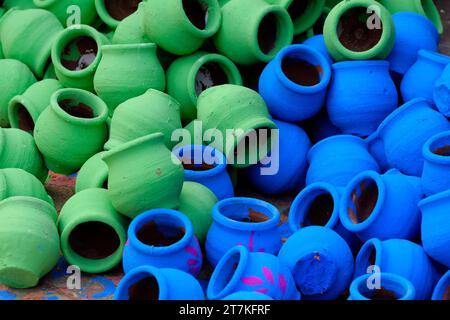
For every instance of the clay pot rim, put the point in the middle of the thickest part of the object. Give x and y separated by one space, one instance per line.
218 168
392 282
360 63
104 15
44 3
343 137
441 286
434 57
429 155
214 20
434 16
311 16
114 47
444 195
14 104
37 204
364 255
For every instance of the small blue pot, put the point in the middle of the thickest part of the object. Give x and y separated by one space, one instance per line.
420 79
318 42
247 295
392 287
442 290
382 206
237 221
414 32
302 98
436 168
400 257
216 178
361 95
241 270
288 164
338 159
320 261
441 92
149 283
162 238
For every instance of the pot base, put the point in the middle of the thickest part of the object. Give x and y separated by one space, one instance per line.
18 278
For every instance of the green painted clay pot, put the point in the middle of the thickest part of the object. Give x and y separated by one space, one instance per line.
71 130
143 175
355 40
189 76
181 26
152 112
131 29
24 110
196 202
62 9
236 111
93 174
93 233
29 242
76 54
27 35
111 12
127 71
19 4
15 78
50 73
27 157
253 31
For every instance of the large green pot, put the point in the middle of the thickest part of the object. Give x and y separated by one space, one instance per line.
93 174
111 12
143 175
29 242
61 9
93 233
71 130
131 29
189 76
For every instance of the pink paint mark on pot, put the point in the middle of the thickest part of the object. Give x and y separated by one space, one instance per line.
192 250
263 290
194 270
252 281
127 243
251 241
269 275
192 262
282 283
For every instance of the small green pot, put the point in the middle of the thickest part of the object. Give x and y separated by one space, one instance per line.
152 112
60 8
71 130
111 12
196 202
24 110
189 76
253 31
351 18
131 29
27 157
143 175
27 35
93 233
181 27
29 242
93 174
19 4
127 71
15 78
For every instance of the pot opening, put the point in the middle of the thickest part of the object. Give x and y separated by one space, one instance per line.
364 198
94 240
105 184
298 8
319 211
242 212
355 30
252 147
77 109
209 75
301 72
196 167
24 119
161 234
446 295
368 259
441 146
79 53
226 272
120 9
145 289
377 294
268 33
197 13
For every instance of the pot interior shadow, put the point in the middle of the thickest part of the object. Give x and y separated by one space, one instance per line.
144 289
363 200
300 71
246 213
297 9
120 9
441 147
76 109
160 234
209 75
319 211
24 119
268 33
79 53
197 13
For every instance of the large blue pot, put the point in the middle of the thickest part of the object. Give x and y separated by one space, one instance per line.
436 168
241 270
150 283
247 222
361 95
441 92
442 289
247 295
391 287
162 238
318 42
300 75
320 261
382 206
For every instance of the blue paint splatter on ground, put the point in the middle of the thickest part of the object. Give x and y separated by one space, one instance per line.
108 287
6 295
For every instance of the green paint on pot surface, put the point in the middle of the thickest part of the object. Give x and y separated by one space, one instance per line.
113 11
64 11
131 29
93 174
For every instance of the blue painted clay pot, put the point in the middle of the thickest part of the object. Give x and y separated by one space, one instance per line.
320 261
150 283
247 295
162 238
318 42
392 287
299 74
441 92
246 222
361 95
442 290
338 159
241 270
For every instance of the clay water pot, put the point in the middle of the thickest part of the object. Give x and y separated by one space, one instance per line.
393 287
86 9
93 174
111 12
318 42
442 290
131 29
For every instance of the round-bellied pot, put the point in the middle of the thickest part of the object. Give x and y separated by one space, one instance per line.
401 147
27 157
420 80
25 109
15 78
251 38
247 222
180 26
359 30
285 169
131 29
301 76
162 238
143 175
318 42
93 174
127 71
76 54
20 4
151 112
93 233
441 92
400 257
29 242
243 270
320 261
150 283
442 289
189 76
111 12
338 159
382 206
361 95
247 295
391 287
63 9
71 130
28 35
